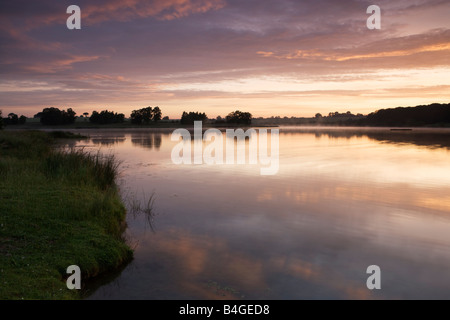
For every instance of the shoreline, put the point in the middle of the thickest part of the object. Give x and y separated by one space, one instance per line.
57 209
164 126
282 128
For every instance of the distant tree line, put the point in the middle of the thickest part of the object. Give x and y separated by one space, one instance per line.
338 118
435 115
346 115
238 117
191 117
430 115
106 117
13 119
235 118
55 116
146 115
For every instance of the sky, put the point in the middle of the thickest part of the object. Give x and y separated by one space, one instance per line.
267 57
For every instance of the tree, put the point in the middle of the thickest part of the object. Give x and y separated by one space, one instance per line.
1 120
106 117
239 117
69 116
13 119
51 116
94 118
191 117
119 118
220 120
136 117
54 116
146 115
434 114
22 119
166 118
38 115
184 117
318 115
157 114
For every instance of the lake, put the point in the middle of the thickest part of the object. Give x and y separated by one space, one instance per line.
343 199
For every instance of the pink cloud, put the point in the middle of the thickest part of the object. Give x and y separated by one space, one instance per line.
58 64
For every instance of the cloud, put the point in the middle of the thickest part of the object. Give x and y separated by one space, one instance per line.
406 51
47 12
210 50
58 65
120 10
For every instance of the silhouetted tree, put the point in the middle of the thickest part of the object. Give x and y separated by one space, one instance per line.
119 118
22 119
434 114
166 118
51 116
106 117
220 120
147 114
69 116
341 116
191 117
136 117
239 117
13 119
94 117
143 115
157 114
1 120
54 116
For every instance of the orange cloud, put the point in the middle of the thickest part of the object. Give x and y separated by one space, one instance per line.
265 54
396 53
315 54
59 64
434 42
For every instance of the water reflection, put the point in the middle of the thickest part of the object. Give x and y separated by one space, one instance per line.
147 140
343 200
431 138
109 141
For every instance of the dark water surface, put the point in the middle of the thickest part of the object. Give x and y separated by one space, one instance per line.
343 199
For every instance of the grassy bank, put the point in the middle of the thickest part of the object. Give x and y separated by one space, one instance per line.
56 209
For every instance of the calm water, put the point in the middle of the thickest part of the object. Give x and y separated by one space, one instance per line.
343 199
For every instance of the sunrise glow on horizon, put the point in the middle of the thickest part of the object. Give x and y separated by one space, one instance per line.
270 58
